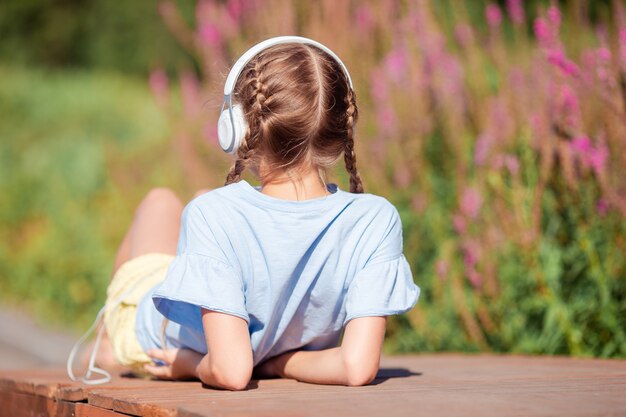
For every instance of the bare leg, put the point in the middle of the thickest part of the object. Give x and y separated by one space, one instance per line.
123 251
155 228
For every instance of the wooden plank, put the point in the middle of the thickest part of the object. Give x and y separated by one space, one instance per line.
65 409
157 401
449 385
19 404
54 383
72 391
415 385
86 410
44 382
439 401
452 375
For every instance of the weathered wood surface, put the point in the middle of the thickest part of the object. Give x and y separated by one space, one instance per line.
416 385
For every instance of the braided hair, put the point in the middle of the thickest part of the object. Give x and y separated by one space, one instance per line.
246 150
349 157
301 113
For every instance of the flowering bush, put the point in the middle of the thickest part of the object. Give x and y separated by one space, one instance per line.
501 144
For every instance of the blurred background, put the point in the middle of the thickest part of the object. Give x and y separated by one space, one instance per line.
498 129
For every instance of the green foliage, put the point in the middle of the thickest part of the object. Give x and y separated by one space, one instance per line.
120 35
502 152
63 213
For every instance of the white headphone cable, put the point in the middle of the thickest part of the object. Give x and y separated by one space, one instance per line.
92 368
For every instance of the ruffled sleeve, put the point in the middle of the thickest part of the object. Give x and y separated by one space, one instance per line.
200 276
382 289
384 285
194 282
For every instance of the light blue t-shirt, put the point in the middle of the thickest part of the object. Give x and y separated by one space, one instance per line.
295 271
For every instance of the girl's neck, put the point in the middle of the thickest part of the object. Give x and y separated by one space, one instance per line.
305 186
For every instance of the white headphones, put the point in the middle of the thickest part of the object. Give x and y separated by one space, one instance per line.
232 126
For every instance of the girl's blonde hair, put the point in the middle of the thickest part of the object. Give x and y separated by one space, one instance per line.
300 110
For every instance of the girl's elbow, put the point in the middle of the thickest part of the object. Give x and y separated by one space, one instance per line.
358 379
359 374
231 378
235 384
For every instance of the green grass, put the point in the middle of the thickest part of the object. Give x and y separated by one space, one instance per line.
65 138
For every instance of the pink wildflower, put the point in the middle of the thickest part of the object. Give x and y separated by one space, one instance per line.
474 278
205 12
568 98
464 34
378 147
190 92
537 121
568 107
558 59
471 254
581 145
159 84
554 17
603 207
402 176
542 31
482 147
500 116
419 202
516 11
493 15
386 119
442 268
396 64
511 163
210 34
604 54
598 157
591 156
601 60
235 8
364 18
210 133
379 89
471 202
167 8
458 223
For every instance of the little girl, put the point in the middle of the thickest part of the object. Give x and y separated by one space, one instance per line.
265 279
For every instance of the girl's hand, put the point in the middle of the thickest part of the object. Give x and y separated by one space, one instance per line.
355 362
179 364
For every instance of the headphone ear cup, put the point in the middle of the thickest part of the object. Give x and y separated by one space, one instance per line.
231 131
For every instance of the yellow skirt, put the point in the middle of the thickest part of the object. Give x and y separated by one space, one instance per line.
129 285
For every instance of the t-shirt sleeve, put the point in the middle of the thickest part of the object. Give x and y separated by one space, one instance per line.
384 286
200 276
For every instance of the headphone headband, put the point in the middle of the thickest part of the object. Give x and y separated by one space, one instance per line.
231 125
235 71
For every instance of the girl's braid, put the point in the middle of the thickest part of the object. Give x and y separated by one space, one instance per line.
249 141
356 185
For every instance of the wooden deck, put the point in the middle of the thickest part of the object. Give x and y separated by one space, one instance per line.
416 385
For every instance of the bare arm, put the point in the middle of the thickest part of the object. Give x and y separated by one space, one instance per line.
353 363
228 363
